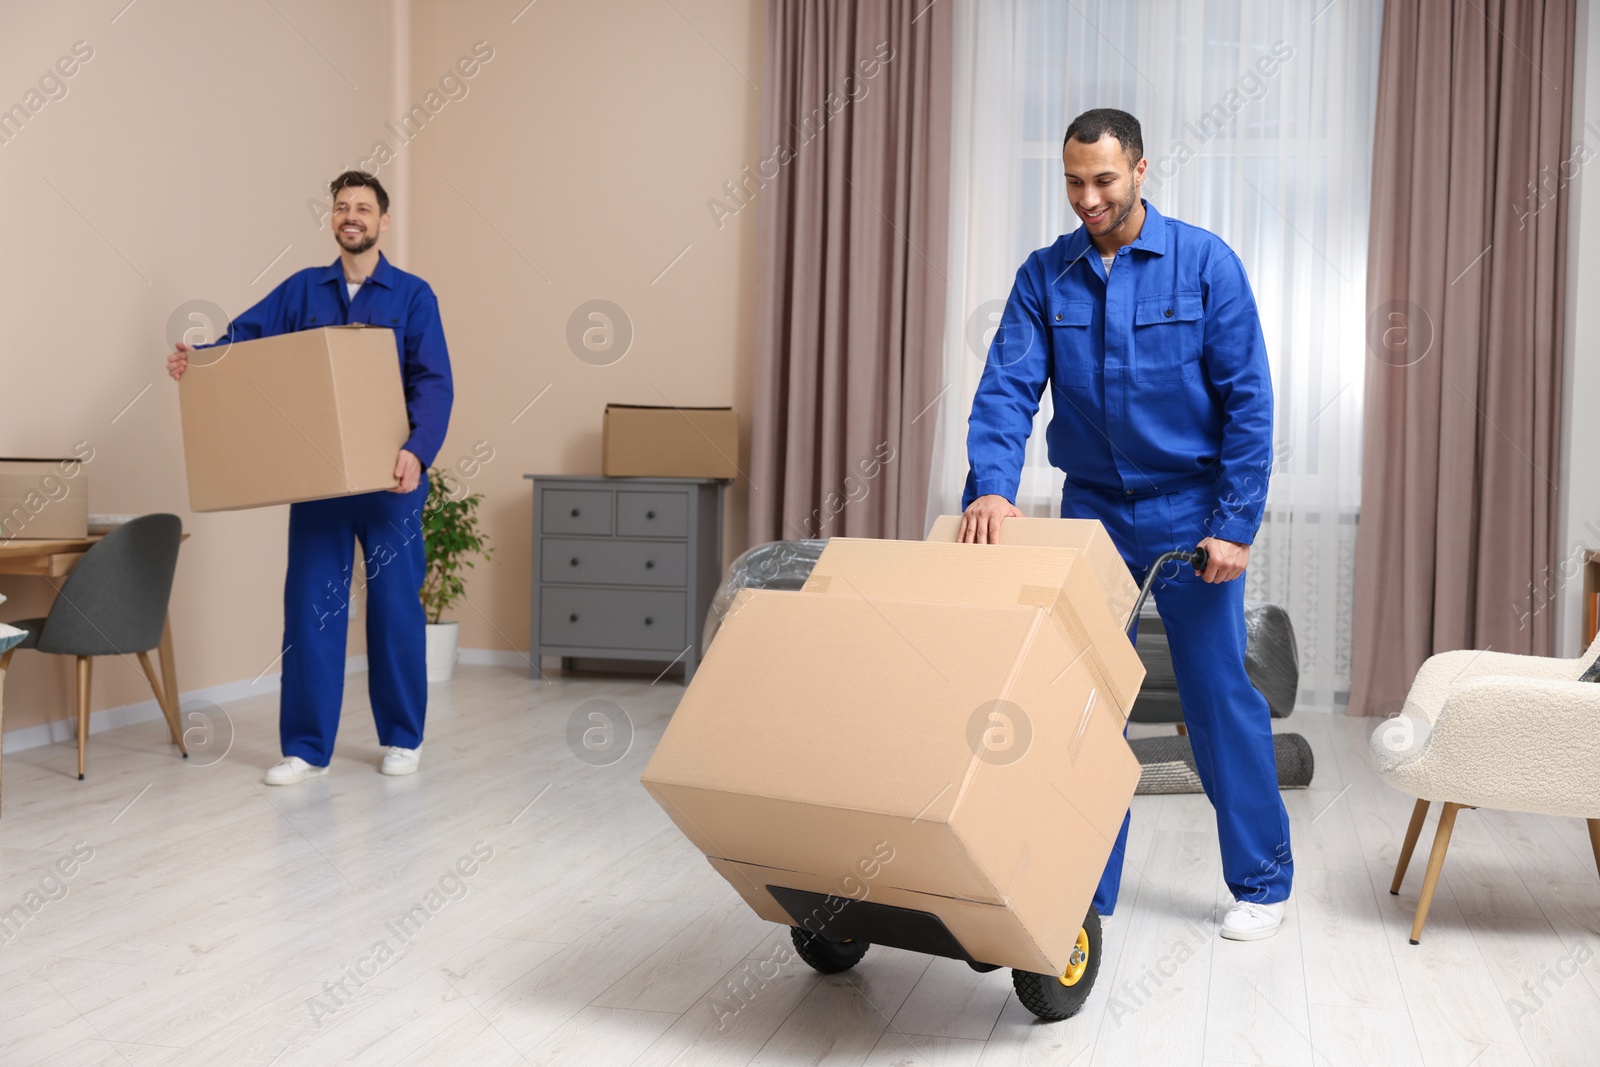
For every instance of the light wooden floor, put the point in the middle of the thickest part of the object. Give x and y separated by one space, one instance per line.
214 919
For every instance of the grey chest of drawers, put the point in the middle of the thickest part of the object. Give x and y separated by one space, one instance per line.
624 568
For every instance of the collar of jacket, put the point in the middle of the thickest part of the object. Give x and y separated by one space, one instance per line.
382 274
1152 236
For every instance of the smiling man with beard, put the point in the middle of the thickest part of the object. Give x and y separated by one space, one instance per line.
361 286
1146 331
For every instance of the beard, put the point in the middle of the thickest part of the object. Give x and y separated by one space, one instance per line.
1118 214
364 242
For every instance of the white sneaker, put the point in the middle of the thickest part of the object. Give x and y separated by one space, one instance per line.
1249 921
1105 922
401 760
292 770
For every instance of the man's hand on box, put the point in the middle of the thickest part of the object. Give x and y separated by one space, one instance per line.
980 523
408 472
178 361
1228 559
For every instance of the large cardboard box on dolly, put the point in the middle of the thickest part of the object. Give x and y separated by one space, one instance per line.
932 727
1085 535
300 416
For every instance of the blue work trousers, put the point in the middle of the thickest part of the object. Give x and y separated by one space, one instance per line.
316 617
1229 723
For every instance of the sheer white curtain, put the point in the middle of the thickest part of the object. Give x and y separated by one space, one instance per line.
1257 118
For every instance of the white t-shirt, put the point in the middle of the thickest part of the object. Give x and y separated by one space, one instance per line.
352 288
1107 260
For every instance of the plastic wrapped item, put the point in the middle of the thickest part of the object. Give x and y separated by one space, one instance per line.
1271 658
774 565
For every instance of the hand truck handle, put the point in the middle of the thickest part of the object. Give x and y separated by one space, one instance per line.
1198 558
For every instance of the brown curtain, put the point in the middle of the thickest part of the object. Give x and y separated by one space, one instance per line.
854 195
1465 275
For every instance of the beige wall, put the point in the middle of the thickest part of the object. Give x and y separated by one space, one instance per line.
181 160
590 144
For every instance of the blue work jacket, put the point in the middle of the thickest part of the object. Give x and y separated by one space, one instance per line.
315 297
1159 374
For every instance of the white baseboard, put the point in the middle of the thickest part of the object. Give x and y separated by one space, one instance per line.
58 730
493 657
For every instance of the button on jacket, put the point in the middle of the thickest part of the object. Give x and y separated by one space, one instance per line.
317 297
1159 374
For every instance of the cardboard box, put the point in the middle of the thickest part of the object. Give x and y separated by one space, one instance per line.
1063 581
668 442
301 416
43 498
959 711
1086 535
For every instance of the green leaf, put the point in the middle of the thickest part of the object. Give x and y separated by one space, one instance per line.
450 533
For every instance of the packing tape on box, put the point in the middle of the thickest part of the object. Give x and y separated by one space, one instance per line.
1055 603
1076 744
1039 596
1070 622
1073 627
1013 886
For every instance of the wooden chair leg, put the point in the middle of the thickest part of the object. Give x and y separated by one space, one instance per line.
164 700
169 667
85 675
1441 842
5 661
1594 841
1183 730
1413 831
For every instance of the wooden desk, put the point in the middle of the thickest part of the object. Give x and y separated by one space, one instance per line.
54 559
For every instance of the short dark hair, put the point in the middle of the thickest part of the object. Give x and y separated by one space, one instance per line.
360 179
1090 126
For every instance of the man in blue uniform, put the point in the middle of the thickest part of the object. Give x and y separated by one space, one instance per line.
360 286
1146 330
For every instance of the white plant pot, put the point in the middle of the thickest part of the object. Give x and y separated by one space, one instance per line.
442 638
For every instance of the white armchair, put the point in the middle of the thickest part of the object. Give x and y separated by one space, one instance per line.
1493 730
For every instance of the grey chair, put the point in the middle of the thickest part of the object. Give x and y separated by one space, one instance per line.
113 603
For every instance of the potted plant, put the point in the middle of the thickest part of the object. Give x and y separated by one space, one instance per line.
451 535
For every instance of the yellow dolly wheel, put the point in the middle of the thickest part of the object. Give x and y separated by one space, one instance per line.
1059 996
824 956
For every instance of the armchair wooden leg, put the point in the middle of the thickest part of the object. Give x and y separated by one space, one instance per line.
1594 840
5 658
1183 730
1441 842
1413 831
163 699
85 675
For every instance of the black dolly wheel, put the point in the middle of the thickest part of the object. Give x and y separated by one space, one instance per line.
1059 996
828 957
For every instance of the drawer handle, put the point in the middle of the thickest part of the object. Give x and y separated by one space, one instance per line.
574 561
649 564
648 621
649 514
574 512
572 618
